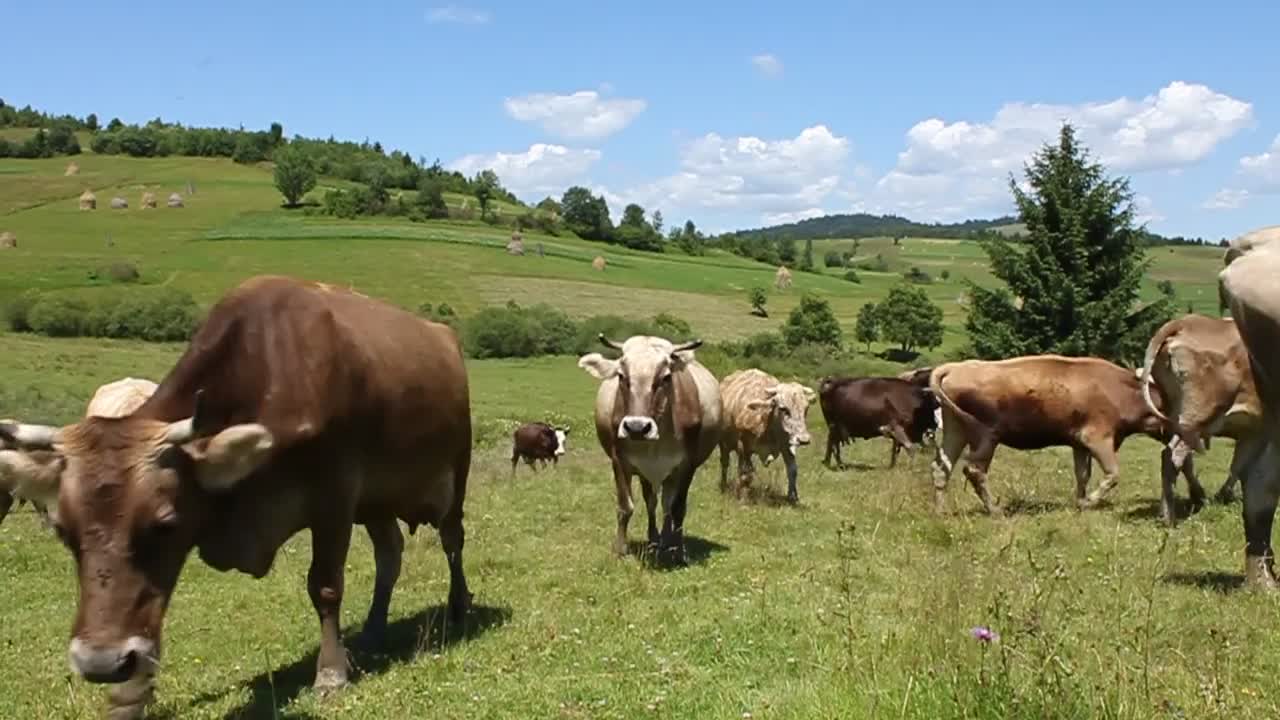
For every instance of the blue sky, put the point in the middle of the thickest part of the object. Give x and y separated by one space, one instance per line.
734 115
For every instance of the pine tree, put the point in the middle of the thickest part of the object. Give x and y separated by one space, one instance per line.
1076 276
806 259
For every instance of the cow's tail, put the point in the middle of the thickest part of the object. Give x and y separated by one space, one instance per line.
936 378
1157 344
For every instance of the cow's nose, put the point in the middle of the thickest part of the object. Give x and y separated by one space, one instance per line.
637 426
109 664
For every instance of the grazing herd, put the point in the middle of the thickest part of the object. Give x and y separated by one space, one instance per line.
298 405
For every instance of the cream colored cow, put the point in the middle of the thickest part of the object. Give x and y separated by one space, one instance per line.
765 418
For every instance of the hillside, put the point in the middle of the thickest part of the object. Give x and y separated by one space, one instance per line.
866 225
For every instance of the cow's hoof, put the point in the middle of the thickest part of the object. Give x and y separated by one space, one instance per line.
125 712
1224 497
793 499
373 637
329 680
459 606
1259 573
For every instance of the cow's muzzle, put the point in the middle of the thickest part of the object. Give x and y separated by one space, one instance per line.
635 427
111 663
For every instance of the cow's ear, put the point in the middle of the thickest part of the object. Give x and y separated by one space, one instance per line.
598 366
231 456
34 475
809 394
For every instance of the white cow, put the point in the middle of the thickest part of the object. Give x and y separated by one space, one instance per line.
1250 284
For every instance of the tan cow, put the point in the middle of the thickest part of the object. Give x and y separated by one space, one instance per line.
115 399
1249 282
1200 367
296 406
763 417
658 416
1034 402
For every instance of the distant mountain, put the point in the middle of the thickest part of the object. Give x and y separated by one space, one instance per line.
867 225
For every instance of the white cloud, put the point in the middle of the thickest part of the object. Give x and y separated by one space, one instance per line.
766 177
784 218
458 15
767 64
1145 212
583 114
951 170
541 170
1226 199
1263 169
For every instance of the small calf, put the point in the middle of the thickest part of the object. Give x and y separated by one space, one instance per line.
537 441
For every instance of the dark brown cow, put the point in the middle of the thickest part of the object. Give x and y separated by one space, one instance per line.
296 406
870 407
537 441
1034 402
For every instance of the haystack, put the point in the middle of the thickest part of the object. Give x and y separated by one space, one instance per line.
148 200
598 263
782 279
119 203
88 201
516 246
8 240
175 200
72 169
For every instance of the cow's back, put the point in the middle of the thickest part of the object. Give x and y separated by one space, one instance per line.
862 405
335 376
737 391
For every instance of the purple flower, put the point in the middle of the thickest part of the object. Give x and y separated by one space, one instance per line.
983 633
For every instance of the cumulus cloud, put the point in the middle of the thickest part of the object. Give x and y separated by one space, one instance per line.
784 218
458 15
952 169
583 114
541 170
1227 199
767 64
1263 170
772 178
1145 212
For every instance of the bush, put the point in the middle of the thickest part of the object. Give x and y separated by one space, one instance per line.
442 313
877 264
833 258
514 331
671 327
945 275
121 272
764 345
852 276
757 297
918 276
164 315
812 322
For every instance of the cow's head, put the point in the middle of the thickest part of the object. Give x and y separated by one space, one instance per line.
562 438
646 375
129 496
788 405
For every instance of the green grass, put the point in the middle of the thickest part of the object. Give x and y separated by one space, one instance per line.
856 604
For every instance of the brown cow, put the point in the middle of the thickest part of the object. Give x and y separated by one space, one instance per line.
114 399
658 415
869 407
1249 283
763 417
1200 367
1034 402
537 441
297 405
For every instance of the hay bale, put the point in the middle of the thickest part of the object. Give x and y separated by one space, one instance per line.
119 203
88 201
72 169
8 240
598 263
148 200
516 246
175 200
782 278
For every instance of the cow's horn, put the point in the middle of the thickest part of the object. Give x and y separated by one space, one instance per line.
184 431
609 343
691 345
32 436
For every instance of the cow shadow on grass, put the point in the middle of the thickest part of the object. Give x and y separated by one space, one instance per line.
425 632
696 551
1023 507
1148 509
1219 582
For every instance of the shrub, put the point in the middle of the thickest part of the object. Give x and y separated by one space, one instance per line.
757 297
514 331
164 315
945 275
121 272
833 258
442 313
812 322
59 316
852 276
918 276
168 315
764 345
17 311
671 327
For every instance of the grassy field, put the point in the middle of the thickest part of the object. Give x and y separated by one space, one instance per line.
858 603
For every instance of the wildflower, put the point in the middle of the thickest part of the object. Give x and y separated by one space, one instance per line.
983 633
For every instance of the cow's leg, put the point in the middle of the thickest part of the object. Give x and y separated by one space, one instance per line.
330 539
452 539
651 506
622 486
1246 452
388 548
793 473
1168 476
976 471
746 464
1261 492
949 451
726 447
1104 451
1194 489
6 502
681 480
1084 470
515 460
835 438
